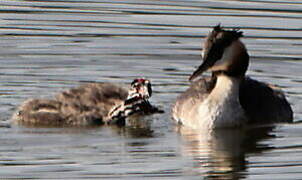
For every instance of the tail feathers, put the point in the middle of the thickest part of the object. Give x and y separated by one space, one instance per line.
39 111
45 112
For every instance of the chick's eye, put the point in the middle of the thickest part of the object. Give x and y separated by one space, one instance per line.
136 85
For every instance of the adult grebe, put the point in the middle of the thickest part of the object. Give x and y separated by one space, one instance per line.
89 104
228 98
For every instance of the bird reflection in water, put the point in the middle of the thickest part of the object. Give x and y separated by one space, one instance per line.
221 154
136 127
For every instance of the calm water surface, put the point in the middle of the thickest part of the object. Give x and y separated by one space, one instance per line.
47 46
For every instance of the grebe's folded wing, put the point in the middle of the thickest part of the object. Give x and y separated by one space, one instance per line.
264 103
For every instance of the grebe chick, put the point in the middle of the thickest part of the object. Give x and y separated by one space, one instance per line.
228 98
88 104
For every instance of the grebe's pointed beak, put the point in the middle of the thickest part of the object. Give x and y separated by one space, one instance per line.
211 54
202 68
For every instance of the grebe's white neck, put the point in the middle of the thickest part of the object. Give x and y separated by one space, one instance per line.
226 87
222 107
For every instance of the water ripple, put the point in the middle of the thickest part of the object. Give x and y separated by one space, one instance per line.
47 46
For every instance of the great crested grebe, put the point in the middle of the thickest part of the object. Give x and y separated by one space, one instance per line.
228 98
89 104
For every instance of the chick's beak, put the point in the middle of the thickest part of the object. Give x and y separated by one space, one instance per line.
143 91
142 88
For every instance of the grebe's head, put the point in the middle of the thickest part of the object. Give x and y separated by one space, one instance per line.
224 53
140 88
137 101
